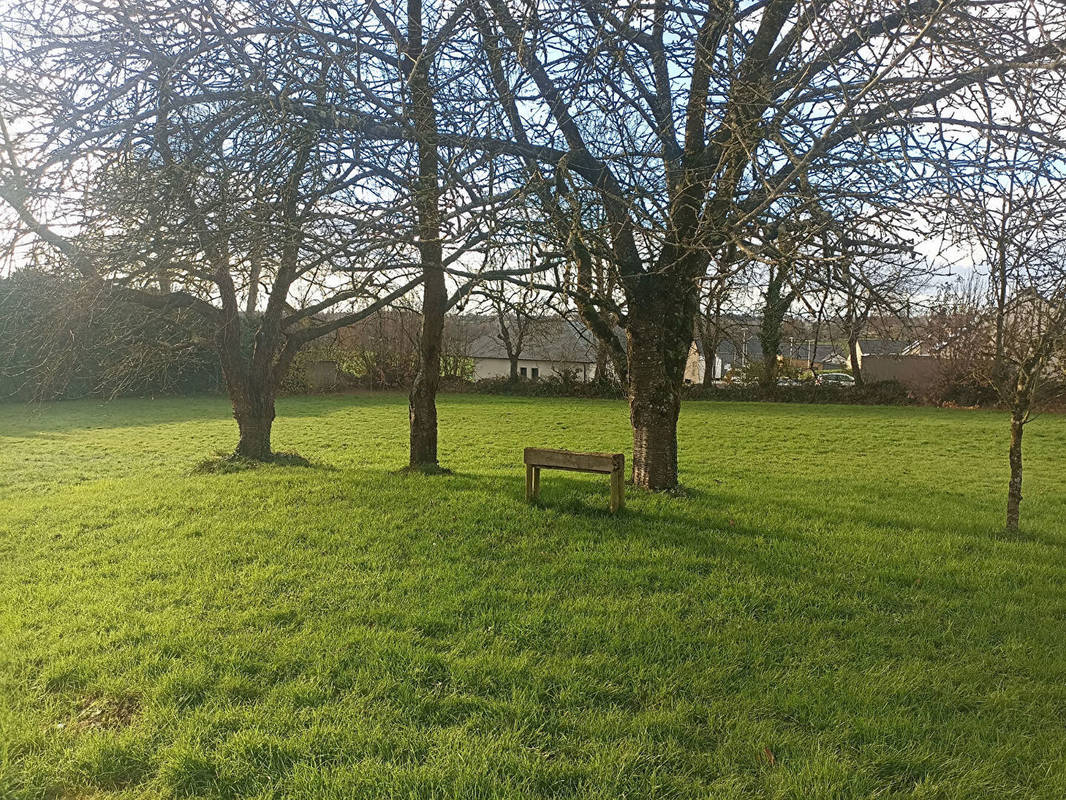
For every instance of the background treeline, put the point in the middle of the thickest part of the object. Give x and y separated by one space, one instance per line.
59 340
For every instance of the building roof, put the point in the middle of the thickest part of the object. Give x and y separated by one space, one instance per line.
549 339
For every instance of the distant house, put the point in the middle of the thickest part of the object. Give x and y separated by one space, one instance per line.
553 347
801 353
696 364
731 355
871 347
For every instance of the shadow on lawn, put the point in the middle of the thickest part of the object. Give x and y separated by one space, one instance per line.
807 505
700 508
226 462
64 416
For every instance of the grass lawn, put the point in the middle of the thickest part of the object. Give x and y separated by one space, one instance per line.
830 611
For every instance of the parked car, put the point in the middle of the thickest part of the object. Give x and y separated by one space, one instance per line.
834 379
788 382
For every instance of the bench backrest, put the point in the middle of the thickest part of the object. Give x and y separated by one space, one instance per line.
605 463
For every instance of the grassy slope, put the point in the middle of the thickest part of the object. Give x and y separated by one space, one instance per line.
829 612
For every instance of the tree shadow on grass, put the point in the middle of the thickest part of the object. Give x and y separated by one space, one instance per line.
64 416
425 470
487 518
684 517
903 508
226 462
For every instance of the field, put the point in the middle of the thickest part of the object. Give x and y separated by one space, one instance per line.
829 610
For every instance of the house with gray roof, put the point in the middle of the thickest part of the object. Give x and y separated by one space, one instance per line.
553 346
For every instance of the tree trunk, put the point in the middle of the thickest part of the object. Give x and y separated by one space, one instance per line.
255 417
513 376
658 349
710 353
422 406
422 410
776 304
250 381
855 358
1014 488
770 342
423 400
603 358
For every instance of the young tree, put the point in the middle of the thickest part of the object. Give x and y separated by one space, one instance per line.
1033 350
515 310
873 282
1012 219
715 323
868 271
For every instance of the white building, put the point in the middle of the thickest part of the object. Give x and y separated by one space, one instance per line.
556 346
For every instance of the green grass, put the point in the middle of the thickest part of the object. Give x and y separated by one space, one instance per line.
829 611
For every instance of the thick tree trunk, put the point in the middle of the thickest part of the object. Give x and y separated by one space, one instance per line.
250 382
654 416
1014 488
513 376
255 417
659 337
251 388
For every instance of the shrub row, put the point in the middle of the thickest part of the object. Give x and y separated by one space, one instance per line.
881 393
551 386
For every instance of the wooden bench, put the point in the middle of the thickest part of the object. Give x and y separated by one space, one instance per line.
613 464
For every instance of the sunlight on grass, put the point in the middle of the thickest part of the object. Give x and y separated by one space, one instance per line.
829 609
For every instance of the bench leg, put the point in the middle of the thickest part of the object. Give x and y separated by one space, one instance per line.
529 483
618 490
536 482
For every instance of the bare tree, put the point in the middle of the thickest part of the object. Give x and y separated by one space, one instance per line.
416 65
404 62
681 125
190 203
515 310
868 283
869 274
1013 221
715 323
787 262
